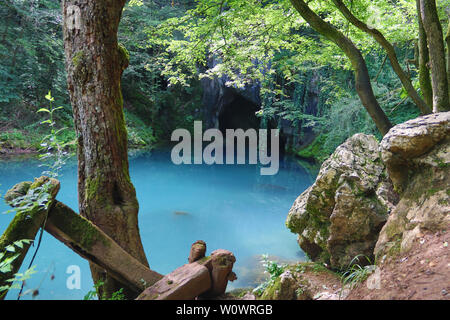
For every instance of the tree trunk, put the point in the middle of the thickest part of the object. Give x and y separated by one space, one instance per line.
433 31
447 41
424 58
94 63
390 50
362 79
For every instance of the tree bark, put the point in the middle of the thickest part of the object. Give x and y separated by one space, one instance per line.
424 58
433 31
94 63
447 41
390 50
362 79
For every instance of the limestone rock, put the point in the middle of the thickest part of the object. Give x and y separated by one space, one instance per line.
341 214
417 157
406 144
283 288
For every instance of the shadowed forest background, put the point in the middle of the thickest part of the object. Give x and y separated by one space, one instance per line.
307 91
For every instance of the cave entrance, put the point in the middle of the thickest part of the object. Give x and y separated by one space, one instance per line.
239 113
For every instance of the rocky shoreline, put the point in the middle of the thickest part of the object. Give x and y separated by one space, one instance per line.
387 202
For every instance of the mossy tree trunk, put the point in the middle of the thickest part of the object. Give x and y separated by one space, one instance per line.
435 40
95 62
362 79
390 50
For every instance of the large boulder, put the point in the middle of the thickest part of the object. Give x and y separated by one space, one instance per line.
342 213
417 157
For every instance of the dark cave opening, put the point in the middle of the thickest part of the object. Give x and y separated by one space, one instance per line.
239 113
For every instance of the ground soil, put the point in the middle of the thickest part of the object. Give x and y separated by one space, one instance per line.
423 273
15 152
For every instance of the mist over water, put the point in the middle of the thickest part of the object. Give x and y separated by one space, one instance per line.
230 207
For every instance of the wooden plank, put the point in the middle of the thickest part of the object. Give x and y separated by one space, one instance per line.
185 283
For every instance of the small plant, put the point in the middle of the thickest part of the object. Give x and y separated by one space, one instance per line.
319 267
35 199
355 273
274 269
51 145
95 293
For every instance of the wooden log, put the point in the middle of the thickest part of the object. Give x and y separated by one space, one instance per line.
198 250
32 209
185 283
91 243
220 266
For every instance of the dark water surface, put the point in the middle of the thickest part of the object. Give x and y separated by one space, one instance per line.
229 206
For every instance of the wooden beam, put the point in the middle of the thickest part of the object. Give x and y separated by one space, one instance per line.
185 283
87 240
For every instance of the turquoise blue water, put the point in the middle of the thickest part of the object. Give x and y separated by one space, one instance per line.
229 206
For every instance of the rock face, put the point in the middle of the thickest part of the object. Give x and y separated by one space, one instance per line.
282 289
218 97
342 213
417 157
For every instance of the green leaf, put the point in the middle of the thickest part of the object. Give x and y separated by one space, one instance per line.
49 96
10 248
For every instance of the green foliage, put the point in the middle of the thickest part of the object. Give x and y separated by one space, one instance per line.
31 58
316 150
346 117
52 146
7 258
172 45
139 134
19 139
30 64
355 273
274 270
95 293
267 43
150 101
